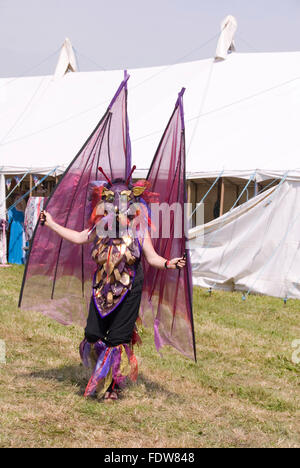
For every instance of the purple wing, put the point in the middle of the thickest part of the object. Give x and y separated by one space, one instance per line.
167 294
58 275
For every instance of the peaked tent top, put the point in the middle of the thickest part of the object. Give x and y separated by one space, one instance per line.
226 42
66 61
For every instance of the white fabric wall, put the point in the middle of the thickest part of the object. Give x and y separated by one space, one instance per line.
254 248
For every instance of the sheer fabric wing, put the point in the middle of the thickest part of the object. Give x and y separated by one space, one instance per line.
167 294
58 276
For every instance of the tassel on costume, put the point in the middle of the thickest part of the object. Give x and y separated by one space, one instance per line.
109 364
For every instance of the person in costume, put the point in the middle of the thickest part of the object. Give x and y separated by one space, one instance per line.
110 332
135 269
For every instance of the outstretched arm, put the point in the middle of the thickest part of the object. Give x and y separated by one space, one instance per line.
156 260
76 237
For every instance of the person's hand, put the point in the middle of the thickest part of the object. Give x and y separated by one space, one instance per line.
46 218
177 263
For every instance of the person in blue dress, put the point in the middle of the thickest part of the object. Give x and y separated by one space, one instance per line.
16 253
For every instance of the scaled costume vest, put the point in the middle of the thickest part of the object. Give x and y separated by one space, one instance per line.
116 260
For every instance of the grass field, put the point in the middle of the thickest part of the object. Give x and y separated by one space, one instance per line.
243 392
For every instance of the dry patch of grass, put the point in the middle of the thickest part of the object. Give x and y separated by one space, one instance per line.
243 391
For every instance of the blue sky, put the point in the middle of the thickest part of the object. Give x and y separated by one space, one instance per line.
118 34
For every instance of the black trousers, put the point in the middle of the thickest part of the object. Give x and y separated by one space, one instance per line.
117 327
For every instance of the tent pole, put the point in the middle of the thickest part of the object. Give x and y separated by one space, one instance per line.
255 187
30 182
189 200
197 201
221 190
193 200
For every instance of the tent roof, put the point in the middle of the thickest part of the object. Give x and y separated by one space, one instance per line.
242 115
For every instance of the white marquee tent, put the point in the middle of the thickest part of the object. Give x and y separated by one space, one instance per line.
242 114
242 118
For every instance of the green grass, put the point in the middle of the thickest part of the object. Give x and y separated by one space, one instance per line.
242 392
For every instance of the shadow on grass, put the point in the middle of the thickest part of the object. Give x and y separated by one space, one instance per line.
69 375
79 376
153 389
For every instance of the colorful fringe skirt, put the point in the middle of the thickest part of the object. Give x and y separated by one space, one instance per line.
109 364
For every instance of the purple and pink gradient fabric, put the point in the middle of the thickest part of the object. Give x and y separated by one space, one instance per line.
167 294
58 275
